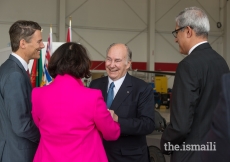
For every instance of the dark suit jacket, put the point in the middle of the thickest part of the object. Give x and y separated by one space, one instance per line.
18 134
194 97
134 105
220 128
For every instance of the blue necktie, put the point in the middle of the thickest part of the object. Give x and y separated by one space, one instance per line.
110 95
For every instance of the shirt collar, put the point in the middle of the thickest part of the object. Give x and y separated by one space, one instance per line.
190 51
117 83
23 62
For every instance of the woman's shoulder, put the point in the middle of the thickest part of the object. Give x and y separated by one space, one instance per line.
92 91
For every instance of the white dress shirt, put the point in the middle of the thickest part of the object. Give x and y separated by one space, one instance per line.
117 84
23 62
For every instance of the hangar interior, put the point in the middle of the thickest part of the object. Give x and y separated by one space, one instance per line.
144 25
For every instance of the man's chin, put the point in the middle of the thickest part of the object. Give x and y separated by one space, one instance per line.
112 76
112 73
183 53
38 57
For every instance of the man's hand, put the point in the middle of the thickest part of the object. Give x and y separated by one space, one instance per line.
114 116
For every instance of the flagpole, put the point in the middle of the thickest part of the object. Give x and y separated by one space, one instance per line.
50 28
51 40
70 21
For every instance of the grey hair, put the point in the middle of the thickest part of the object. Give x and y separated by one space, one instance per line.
196 18
129 52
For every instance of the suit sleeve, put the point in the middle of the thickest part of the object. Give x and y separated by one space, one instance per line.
110 129
143 123
35 106
92 84
185 96
17 103
220 128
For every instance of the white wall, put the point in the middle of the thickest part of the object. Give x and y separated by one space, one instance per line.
4 54
98 23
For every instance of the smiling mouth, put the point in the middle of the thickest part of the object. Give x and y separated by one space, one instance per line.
112 71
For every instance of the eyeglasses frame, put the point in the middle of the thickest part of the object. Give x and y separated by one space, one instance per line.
177 30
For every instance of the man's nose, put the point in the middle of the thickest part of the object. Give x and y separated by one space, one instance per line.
42 45
176 40
112 64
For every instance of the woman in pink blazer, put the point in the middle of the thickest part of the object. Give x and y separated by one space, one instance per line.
72 119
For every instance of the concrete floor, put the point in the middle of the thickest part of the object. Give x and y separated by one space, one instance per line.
154 138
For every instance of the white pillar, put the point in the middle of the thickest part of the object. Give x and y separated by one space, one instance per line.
61 21
151 34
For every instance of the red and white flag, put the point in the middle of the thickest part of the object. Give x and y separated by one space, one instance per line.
69 33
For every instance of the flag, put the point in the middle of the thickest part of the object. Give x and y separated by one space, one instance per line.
39 71
69 32
46 78
69 35
33 73
36 72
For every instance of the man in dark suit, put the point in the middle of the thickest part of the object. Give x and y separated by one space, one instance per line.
19 136
195 89
220 127
132 107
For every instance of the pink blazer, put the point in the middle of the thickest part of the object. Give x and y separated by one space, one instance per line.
72 120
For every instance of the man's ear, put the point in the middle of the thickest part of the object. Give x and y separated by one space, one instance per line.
130 67
190 32
22 44
129 64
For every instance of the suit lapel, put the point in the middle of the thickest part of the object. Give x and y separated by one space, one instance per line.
124 91
22 68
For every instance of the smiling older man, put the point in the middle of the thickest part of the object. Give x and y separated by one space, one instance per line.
130 101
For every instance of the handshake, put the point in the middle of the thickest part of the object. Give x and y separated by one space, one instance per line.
114 116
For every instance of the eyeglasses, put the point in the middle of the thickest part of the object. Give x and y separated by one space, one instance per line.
175 32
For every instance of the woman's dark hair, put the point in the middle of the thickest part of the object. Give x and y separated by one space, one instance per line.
70 58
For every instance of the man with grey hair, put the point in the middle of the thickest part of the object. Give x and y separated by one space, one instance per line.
196 87
131 103
19 136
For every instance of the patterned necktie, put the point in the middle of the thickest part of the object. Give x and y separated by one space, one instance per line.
110 95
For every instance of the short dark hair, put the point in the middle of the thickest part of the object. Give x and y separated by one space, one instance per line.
70 58
22 29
